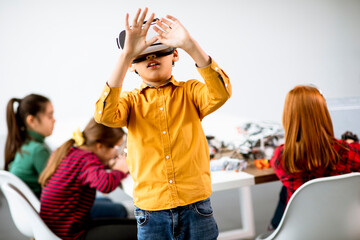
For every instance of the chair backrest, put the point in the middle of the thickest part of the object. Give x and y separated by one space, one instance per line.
8 177
323 208
25 217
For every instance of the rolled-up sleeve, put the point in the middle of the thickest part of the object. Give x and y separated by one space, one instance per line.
217 89
111 109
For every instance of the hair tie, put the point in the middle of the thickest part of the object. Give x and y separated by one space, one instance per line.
78 137
16 107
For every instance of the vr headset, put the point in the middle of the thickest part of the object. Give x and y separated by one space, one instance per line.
157 48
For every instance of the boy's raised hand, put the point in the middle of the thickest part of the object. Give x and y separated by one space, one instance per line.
172 33
135 40
135 44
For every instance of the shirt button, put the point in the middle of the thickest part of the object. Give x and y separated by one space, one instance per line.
105 93
167 157
159 89
170 181
161 109
164 132
99 112
216 68
226 84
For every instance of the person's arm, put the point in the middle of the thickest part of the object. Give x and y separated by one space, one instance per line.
110 109
95 175
217 88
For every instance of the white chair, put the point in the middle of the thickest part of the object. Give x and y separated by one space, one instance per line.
8 177
323 208
25 217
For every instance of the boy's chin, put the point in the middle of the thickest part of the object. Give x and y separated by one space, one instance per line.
155 76
156 81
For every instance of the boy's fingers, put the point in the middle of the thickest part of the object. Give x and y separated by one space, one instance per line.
143 15
136 17
171 17
167 22
158 30
152 40
166 27
127 27
148 22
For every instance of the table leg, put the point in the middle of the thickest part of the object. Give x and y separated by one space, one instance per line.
246 216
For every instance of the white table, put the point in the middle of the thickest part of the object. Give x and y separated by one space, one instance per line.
223 180
242 181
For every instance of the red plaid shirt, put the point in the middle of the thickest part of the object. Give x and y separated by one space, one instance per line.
349 162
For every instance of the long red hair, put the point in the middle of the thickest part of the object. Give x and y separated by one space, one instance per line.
309 134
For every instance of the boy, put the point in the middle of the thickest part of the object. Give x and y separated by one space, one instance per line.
168 156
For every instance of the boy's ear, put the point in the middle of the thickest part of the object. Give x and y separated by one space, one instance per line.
132 68
175 56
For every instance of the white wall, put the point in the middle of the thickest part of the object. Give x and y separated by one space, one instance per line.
66 50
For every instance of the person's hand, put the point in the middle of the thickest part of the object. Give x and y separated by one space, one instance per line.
120 164
135 40
172 33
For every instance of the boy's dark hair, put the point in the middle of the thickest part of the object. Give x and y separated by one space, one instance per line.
32 104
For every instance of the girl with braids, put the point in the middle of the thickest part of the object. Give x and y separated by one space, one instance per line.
75 171
28 124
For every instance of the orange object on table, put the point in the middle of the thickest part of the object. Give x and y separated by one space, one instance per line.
262 163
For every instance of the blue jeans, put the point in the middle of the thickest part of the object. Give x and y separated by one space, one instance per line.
104 207
190 222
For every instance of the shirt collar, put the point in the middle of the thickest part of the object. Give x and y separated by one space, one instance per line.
36 136
171 81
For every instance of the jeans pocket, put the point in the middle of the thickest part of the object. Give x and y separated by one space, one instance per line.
141 216
203 208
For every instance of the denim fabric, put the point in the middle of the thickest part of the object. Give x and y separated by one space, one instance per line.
104 207
190 222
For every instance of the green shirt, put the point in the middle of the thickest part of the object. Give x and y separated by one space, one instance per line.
29 163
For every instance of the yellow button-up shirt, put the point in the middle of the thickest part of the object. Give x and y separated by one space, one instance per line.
168 155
